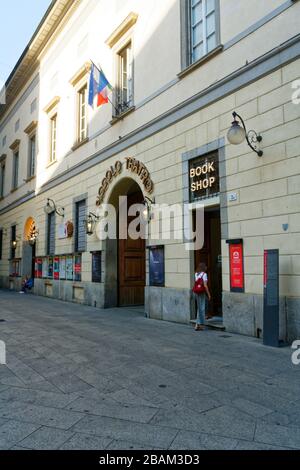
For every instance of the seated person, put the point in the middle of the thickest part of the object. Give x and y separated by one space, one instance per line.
27 284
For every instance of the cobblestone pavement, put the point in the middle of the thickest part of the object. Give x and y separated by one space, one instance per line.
81 378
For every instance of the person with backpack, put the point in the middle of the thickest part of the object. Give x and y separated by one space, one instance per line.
200 290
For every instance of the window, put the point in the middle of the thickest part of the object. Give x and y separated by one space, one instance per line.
96 266
1 243
51 234
2 179
13 238
32 156
80 232
203 31
4 141
17 125
124 79
15 170
53 134
82 114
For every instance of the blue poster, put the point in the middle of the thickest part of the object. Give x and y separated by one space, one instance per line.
157 266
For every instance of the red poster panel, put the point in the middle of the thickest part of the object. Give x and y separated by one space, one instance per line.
236 259
56 268
38 268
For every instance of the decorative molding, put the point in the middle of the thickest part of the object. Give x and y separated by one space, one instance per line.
15 145
81 73
32 127
53 103
122 29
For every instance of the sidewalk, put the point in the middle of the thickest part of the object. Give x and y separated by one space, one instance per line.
82 378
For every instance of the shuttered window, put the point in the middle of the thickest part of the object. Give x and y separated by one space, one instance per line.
203 27
51 234
80 232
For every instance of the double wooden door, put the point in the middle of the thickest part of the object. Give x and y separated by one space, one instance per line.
131 264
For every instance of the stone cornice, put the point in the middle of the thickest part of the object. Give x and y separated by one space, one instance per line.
122 29
15 145
81 73
32 126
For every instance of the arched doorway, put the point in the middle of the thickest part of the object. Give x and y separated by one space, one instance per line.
28 250
125 259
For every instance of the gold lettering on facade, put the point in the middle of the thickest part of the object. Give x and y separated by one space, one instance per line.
133 165
205 171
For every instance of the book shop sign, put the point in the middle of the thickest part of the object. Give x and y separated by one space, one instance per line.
204 177
133 166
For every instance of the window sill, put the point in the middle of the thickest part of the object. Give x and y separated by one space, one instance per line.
51 164
79 144
121 116
30 178
200 62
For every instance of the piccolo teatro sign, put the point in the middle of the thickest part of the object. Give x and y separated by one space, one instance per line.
133 166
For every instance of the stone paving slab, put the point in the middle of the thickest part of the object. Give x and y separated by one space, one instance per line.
84 378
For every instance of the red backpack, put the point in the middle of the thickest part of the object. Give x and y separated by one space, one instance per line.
199 286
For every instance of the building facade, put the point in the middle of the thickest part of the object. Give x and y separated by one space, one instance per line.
179 69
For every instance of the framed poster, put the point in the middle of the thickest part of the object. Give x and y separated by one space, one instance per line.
45 268
56 268
157 266
62 267
38 268
236 263
50 268
96 266
77 268
69 268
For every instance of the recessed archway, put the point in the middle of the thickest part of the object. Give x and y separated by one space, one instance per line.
125 259
28 249
29 228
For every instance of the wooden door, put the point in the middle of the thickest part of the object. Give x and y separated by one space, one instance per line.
211 256
132 270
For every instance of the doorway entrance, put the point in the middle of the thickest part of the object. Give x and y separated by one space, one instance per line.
28 250
125 259
210 254
131 263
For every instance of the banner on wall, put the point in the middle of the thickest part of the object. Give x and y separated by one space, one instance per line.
56 268
45 268
156 266
62 268
236 263
69 268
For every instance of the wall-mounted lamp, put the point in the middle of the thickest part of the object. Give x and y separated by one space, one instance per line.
33 237
237 134
51 207
90 223
147 213
14 243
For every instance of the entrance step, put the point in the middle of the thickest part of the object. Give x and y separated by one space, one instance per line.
215 323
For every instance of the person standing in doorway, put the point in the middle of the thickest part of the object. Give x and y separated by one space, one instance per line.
200 291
